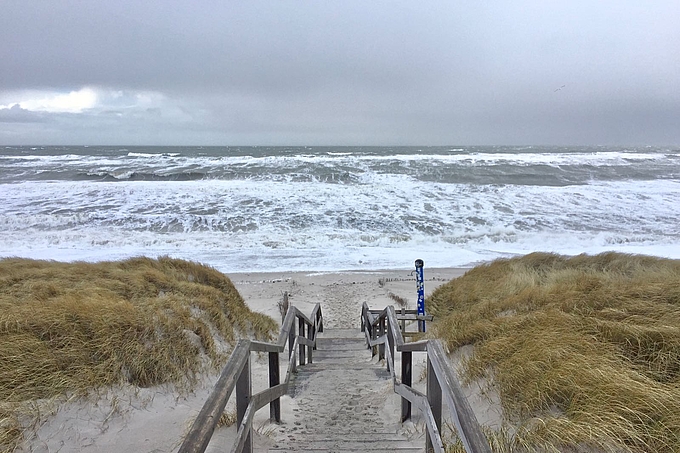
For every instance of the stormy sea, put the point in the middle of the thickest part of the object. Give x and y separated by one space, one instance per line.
336 208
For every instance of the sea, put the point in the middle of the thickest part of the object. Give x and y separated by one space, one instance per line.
271 209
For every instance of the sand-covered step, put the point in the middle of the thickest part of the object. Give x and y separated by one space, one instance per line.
329 334
333 344
346 353
403 447
341 399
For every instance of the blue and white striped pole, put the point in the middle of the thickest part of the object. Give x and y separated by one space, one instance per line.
420 286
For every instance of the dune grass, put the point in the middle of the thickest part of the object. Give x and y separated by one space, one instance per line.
70 328
584 351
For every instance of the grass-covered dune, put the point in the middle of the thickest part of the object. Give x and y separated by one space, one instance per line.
69 328
584 351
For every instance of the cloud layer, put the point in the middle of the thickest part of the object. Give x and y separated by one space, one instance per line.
309 72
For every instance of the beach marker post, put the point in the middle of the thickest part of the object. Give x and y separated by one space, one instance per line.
420 286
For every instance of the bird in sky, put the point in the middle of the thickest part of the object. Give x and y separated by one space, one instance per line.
559 88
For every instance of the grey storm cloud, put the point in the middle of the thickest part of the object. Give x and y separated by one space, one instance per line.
350 72
16 114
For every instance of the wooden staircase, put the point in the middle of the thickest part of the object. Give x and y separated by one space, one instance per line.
340 390
339 396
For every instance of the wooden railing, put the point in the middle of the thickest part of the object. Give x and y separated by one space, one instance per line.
383 332
236 374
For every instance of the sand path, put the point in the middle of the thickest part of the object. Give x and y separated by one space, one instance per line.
340 294
345 402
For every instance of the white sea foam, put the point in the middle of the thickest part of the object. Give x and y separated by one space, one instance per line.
152 155
384 222
63 157
340 167
333 210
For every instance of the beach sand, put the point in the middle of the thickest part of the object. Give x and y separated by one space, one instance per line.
156 419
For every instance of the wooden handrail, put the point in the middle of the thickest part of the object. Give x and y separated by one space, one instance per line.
236 374
382 330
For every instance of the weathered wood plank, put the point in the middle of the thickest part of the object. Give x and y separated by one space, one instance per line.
434 399
339 343
377 341
408 333
411 394
407 380
420 401
317 316
286 326
302 316
301 335
390 363
243 394
305 341
310 343
258 346
393 326
259 400
414 346
291 340
376 445
414 317
292 360
464 418
196 441
274 380
381 331
244 436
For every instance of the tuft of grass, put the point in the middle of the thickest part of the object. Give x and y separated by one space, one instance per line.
69 328
401 301
227 419
584 351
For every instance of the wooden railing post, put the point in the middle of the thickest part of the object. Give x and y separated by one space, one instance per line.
390 345
374 335
301 333
381 348
291 339
310 348
243 395
274 379
434 398
403 319
406 379
312 334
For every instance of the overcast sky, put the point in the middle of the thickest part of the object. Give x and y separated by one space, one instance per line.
339 72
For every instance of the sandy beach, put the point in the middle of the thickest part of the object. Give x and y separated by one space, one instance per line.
156 419
341 294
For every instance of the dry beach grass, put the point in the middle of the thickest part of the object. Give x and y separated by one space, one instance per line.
584 351
66 329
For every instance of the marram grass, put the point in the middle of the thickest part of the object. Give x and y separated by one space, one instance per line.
584 351
69 328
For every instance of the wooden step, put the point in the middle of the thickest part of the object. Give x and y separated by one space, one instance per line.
353 344
327 365
347 449
341 353
360 443
357 436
